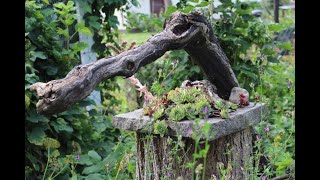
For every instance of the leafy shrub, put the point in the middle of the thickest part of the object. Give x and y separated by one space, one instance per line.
76 143
140 22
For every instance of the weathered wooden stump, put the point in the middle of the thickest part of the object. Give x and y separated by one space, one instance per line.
230 143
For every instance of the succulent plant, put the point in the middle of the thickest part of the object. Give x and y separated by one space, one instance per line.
175 96
158 113
224 113
160 127
200 105
191 111
177 113
192 94
233 106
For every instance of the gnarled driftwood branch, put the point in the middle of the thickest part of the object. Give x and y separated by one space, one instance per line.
182 31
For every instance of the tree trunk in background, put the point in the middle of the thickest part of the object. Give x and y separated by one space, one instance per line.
276 10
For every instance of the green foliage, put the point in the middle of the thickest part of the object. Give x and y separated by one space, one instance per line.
53 144
139 22
177 113
104 27
160 127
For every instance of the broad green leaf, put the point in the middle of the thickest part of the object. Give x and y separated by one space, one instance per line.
94 155
92 169
96 176
286 46
36 136
46 1
272 59
195 69
69 21
188 9
85 160
63 32
203 4
38 54
85 6
52 70
35 117
69 4
170 10
75 177
93 22
275 27
59 5
80 27
61 125
79 46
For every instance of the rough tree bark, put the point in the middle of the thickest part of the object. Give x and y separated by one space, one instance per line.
182 31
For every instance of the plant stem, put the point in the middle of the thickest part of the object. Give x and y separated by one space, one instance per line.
68 39
60 171
45 171
73 35
119 168
194 159
205 161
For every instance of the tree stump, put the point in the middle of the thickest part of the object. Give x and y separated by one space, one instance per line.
230 141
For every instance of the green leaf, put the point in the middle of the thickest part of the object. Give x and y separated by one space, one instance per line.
61 125
80 27
79 46
63 32
69 5
170 10
94 22
203 4
275 27
85 160
96 176
36 136
52 70
46 1
286 46
195 69
188 9
272 59
85 6
92 169
74 177
59 5
69 21
94 155
35 117
38 54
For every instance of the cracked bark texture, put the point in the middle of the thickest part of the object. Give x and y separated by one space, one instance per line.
155 160
190 32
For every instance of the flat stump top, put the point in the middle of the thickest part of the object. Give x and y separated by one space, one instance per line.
239 120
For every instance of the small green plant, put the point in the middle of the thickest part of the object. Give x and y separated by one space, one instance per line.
177 113
158 113
160 127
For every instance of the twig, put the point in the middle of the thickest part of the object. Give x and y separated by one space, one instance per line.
281 177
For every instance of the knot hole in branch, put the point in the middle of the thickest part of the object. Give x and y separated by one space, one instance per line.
130 66
181 28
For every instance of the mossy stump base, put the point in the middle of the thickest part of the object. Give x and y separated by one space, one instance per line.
230 143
